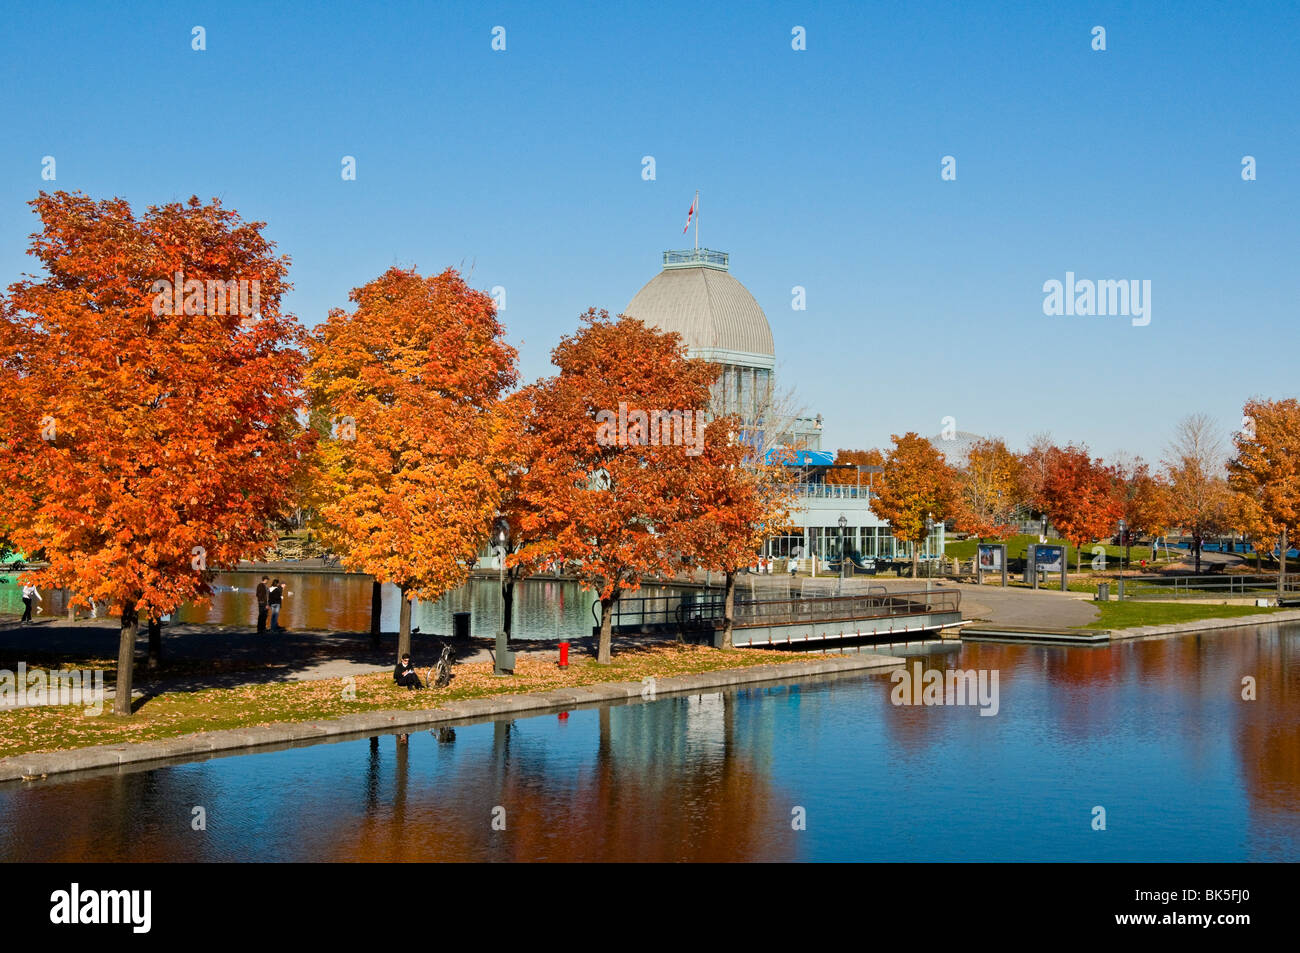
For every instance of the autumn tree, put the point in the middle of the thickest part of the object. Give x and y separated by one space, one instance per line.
608 480
1079 497
736 499
523 494
1245 515
1266 471
150 384
988 489
1194 467
918 483
854 476
1032 472
407 487
1144 502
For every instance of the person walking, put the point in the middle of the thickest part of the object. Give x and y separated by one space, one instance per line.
275 596
263 597
30 592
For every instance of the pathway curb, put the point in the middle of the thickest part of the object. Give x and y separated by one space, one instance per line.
466 711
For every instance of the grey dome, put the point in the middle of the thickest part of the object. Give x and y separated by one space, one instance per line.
956 449
697 297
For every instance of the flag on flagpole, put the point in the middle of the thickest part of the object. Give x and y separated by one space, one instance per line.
691 213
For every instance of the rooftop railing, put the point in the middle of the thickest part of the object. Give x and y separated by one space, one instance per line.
833 491
688 257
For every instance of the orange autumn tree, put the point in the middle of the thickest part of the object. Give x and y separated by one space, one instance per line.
988 486
407 486
1266 472
149 433
856 458
1144 503
604 491
737 500
1079 497
918 484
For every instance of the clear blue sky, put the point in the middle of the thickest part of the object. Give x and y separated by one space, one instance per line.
817 168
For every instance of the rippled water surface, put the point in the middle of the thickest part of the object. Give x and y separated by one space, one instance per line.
1155 732
543 609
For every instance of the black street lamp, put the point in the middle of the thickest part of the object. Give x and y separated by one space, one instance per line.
843 521
503 662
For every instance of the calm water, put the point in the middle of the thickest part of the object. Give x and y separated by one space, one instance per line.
341 601
1155 732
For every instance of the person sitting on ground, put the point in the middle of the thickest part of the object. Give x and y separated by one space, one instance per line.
404 673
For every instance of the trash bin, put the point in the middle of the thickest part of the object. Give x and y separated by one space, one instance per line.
1103 592
460 625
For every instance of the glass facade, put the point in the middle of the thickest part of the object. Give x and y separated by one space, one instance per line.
869 542
741 390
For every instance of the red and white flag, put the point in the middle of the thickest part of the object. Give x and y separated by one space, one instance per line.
690 214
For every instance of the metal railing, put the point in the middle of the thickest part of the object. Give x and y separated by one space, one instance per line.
703 611
697 256
1185 587
833 491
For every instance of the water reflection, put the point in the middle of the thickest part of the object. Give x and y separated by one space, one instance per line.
544 608
1156 731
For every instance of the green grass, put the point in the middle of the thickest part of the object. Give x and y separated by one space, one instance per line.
1123 615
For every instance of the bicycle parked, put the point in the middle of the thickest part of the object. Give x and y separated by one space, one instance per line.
440 675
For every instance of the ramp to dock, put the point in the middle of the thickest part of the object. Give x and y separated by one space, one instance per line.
873 614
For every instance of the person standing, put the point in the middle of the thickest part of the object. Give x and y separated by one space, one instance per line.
263 597
275 596
30 592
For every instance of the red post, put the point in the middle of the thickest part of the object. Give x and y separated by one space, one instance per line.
564 655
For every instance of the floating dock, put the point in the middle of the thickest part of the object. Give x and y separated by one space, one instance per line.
1038 634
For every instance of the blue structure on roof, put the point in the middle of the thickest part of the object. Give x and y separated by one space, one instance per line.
801 458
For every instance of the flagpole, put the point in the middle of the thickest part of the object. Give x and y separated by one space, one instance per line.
697 219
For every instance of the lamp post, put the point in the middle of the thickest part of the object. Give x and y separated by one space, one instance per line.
929 563
843 521
503 662
1123 537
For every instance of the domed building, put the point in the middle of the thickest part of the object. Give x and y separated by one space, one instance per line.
696 295
719 321
955 447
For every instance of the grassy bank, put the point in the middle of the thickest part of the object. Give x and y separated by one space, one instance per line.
1122 615
167 715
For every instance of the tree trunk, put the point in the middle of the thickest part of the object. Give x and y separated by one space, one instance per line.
916 559
1281 574
1196 548
376 603
126 659
729 610
155 643
404 627
606 617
